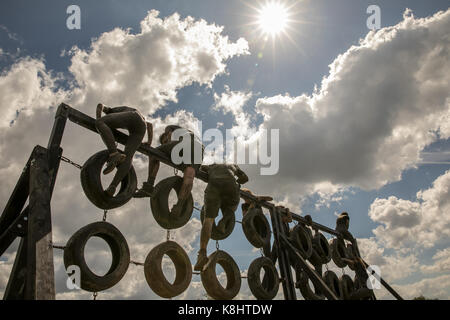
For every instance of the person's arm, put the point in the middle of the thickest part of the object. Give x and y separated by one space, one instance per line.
149 133
99 110
241 176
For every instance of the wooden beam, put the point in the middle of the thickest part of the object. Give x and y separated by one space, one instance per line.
40 282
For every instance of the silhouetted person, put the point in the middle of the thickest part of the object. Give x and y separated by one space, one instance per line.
189 169
119 118
342 225
222 192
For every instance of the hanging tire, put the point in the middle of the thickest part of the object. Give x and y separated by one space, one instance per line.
92 184
230 220
332 281
338 251
74 255
233 274
347 285
315 259
305 289
256 228
300 237
350 255
260 291
154 273
160 204
321 246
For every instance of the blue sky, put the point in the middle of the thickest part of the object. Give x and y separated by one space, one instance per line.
321 32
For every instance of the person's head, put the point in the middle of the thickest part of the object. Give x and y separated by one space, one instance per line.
163 138
344 215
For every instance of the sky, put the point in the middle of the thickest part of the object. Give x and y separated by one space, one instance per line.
362 115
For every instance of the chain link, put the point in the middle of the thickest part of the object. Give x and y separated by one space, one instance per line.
343 271
168 235
217 245
261 251
175 171
94 295
105 212
67 160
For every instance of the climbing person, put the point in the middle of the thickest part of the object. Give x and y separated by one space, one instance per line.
119 118
222 192
189 168
249 203
342 225
361 278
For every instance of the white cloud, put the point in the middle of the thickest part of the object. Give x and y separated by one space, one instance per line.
416 224
147 68
441 263
381 104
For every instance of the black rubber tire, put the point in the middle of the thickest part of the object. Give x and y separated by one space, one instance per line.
350 255
305 289
212 284
315 259
92 184
322 247
254 281
338 251
229 224
155 275
300 237
256 227
160 204
332 281
347 285
74 255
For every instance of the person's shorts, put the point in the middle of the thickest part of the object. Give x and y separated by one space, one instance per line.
196 146
224 196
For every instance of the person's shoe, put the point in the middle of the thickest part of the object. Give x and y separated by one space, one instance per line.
146 191
114 160
110 191
202 259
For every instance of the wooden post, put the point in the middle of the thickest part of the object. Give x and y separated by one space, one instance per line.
40 283
283 258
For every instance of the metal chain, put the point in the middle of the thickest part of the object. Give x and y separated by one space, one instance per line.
261 251
67 160
175 171
94 295
217 245
168 235
343 271
104 215
326 266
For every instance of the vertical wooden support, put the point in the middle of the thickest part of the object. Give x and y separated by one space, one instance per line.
40 282
15 289
282 254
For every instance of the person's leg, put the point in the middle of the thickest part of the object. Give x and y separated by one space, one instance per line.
205 234
211 210
104 125
136 127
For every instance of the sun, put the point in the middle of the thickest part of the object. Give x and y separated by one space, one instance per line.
273 18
